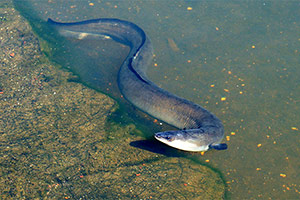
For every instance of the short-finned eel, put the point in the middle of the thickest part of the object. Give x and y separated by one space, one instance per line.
199 129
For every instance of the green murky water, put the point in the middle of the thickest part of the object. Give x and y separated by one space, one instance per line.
239 60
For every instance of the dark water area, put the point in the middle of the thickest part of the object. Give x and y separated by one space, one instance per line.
237 59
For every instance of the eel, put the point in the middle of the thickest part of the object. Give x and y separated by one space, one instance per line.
199 129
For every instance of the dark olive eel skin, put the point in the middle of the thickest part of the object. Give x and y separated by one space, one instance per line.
198 126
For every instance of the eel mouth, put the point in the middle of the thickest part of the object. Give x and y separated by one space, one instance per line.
163 136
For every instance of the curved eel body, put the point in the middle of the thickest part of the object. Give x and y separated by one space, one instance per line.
199 129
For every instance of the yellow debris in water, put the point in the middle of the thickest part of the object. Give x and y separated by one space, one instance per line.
91 4
258 169
253 47
232 133
259 145
295 128
212 85
207 160
189 8
223 99
202 153
283 175
173 45
228 138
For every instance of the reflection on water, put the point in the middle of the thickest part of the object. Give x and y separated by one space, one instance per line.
239 60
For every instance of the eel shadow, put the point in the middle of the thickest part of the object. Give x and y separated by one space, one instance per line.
158 147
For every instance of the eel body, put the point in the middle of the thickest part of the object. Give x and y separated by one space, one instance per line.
199 129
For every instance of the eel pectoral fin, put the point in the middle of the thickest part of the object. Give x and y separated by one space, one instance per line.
221 146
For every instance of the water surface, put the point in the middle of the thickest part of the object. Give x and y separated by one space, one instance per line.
237 59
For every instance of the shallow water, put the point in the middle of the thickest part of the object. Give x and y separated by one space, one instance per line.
238 60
